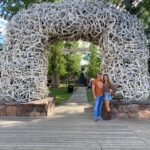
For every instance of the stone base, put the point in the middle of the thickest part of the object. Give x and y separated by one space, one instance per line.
37 108
133 110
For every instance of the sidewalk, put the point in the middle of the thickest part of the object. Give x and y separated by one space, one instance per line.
71 127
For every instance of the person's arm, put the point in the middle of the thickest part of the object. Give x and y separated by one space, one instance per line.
93 90
112 88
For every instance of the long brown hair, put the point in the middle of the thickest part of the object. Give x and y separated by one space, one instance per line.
105 75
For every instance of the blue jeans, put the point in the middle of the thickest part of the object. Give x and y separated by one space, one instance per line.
97 107
107 96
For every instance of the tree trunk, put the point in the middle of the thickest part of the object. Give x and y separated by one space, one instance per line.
55 79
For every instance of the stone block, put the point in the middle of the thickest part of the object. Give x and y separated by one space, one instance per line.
114 110
24 110
37 108
134 108
40 108
51 107
122 109
11 110
35 114
132 115
121 115
144 114
144 107
3 110
2 107
43 114
27 108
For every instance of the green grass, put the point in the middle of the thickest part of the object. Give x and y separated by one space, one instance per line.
90 96
61 94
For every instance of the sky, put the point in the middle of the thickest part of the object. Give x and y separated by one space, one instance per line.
3 23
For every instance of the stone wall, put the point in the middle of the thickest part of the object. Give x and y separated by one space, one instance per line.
134 110
38 108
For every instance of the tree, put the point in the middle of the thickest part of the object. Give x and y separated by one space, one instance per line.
73 59
73 65
94 62
61 65
140 8
57 62
10 7
71 46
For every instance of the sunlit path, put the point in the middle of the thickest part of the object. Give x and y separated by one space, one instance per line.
71 128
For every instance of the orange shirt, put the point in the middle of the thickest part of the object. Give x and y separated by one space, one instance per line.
98 87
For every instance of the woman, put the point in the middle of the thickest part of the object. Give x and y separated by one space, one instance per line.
109 89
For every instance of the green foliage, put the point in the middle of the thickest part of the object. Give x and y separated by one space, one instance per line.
135 7
71 45
10 7
56 58
63 65
73 64
94 62
140 9
73 59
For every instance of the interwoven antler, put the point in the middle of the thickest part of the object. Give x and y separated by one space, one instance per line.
24 57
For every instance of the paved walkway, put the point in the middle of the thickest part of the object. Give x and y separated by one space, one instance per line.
71 128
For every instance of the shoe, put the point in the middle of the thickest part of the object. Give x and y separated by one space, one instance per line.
110 115
98 118
107 116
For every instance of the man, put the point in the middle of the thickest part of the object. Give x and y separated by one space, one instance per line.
98 92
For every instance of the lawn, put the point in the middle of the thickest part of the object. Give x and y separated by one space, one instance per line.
61 94
90 96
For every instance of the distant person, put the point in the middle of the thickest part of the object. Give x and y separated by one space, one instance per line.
109 89
98 91
82 78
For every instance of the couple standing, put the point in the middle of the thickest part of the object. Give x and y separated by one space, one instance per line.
102 90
